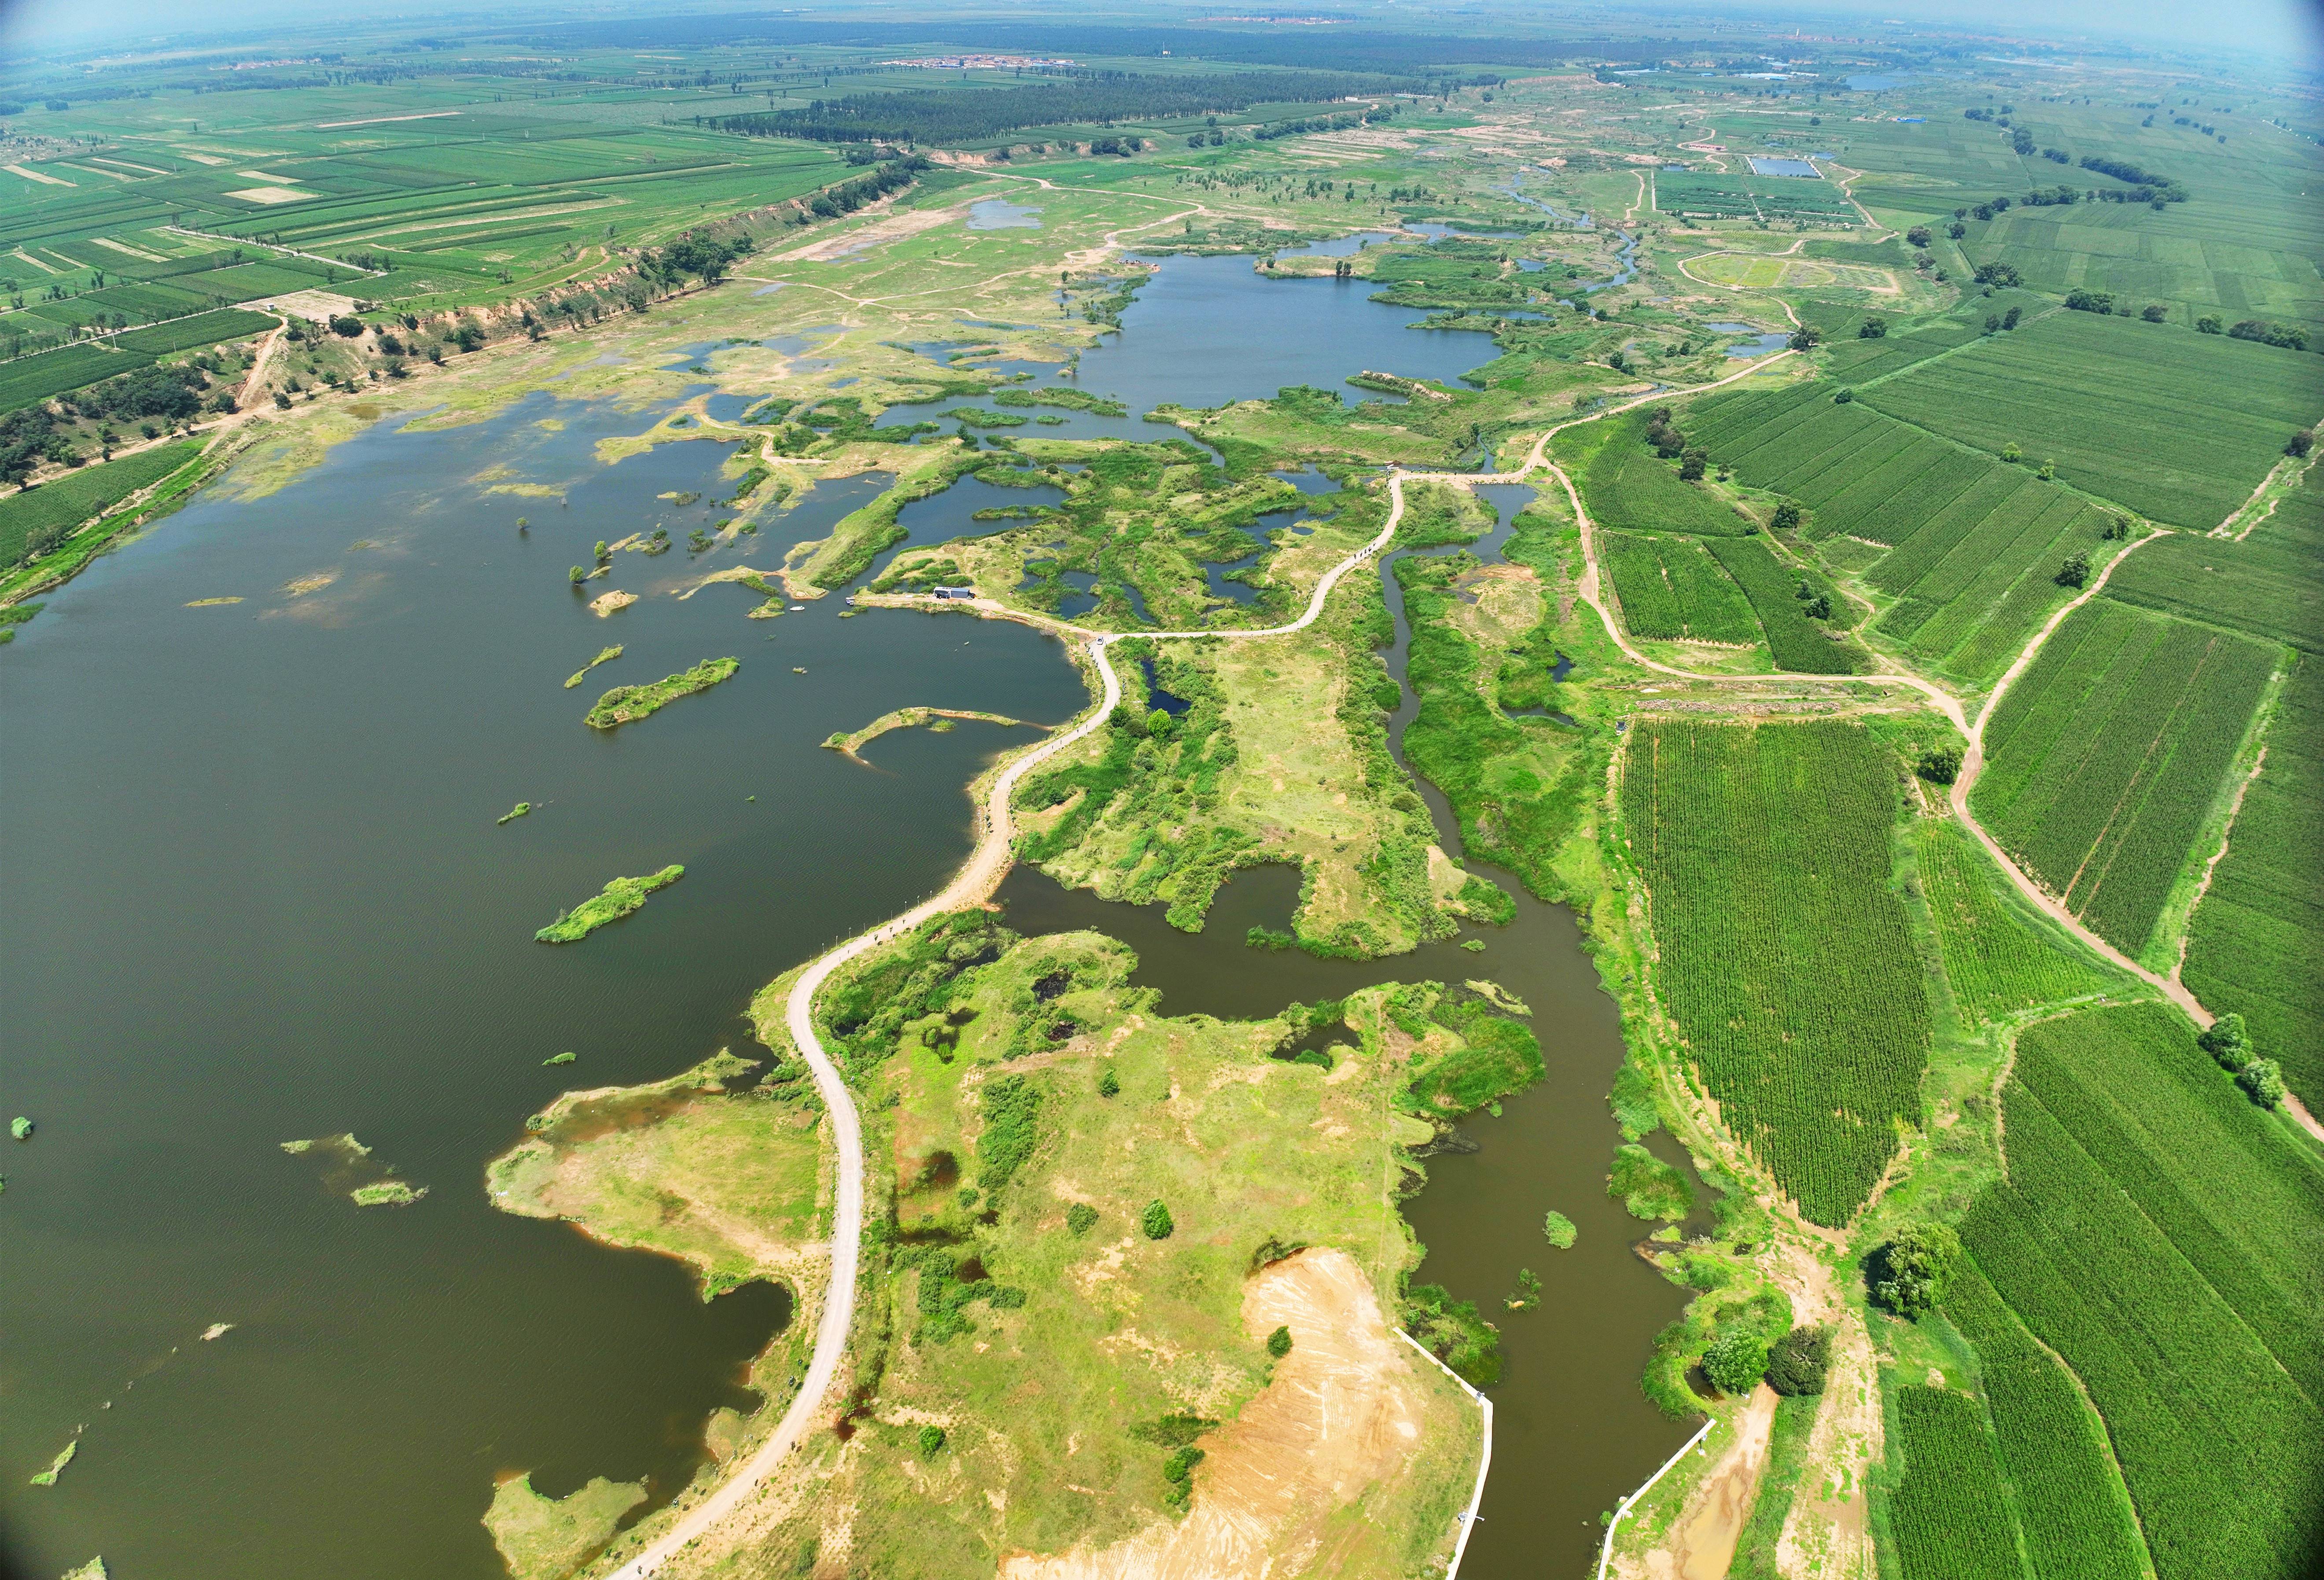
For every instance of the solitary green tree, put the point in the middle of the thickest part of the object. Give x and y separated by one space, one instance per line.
1735 1361
1912 1272
1156 1222
1278 1342
1108 1084
2075 571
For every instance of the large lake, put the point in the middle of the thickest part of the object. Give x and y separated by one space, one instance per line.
258 894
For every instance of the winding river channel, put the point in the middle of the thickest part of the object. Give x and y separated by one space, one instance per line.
259 896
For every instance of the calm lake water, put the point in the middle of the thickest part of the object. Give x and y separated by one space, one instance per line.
259 896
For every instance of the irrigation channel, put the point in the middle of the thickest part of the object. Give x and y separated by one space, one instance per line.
268 901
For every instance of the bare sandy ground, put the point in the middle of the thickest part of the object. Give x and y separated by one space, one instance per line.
1344 1414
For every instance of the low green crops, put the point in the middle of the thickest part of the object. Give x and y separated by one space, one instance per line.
2256 947
2159 1232
1996 964
2106 757
1671 590
1799 644
2078 1523
1952 1523
1785 954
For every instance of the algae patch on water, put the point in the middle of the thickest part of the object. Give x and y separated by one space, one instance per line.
606 655
628 704
514 813
621 897
93 1570
347 1165
546 1539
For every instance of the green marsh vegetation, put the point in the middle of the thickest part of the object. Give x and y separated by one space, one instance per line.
604 656
523 808
548 1539
628 704
619 899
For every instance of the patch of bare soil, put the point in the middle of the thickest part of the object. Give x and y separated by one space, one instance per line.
880 233
1827 1535
1342 1418
1702 1545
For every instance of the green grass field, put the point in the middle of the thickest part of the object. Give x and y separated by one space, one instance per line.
2158 1232
1812 1053
2265 584
2107 755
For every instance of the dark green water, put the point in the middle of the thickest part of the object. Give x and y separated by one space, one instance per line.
257 893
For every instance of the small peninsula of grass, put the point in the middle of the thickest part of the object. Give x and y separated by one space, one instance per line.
605 655
628 704
621 897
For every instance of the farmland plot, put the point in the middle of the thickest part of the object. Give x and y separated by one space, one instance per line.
2255 944
1951 1521
2265 583
1800 644
1629 488
2160 1233
2077 1522
1997 965
1671 590
2104 758
1759 848
2180 426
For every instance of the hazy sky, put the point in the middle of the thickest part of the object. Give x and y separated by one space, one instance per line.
2282 27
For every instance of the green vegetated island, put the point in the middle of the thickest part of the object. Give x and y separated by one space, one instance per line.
2024 1243
628 704
618 898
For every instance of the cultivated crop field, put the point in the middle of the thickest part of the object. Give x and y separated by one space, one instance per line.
2257 943
1812 1052
1800 644
2104 758
1951 1521
75 496
1671 590
1746 272
1629 488
2179 426
1997 965
2076 1517
2263 582
2159 1232
1742 196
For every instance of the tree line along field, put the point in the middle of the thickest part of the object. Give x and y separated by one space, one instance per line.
2159 1233
2106 756
1812 1053
2255 944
